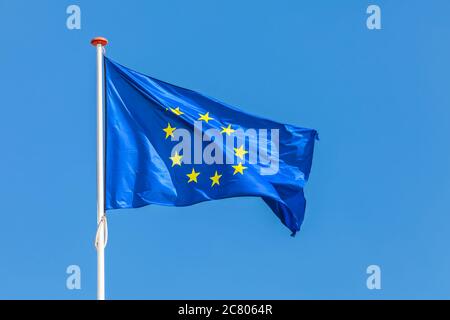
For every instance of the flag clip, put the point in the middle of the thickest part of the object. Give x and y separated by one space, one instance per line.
103 222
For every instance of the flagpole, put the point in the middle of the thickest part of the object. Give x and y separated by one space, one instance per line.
100 241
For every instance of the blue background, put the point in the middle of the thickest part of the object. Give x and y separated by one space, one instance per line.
379 189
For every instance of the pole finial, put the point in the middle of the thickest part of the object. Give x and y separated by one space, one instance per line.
99 41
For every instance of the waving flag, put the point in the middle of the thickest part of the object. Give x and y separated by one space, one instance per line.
172 146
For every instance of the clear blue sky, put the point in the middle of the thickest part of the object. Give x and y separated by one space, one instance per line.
380 184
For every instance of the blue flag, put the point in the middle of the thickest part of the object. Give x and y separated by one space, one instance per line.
172 146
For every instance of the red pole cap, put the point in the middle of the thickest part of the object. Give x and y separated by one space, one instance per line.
99 41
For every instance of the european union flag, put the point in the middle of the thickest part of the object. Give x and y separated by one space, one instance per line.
172 146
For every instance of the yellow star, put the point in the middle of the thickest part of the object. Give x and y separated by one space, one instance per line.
239 168
177 111
227 130
215 179
205 117
240 152
193 176
176 159
169 131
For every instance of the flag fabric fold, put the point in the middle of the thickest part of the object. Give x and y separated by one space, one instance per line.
172 146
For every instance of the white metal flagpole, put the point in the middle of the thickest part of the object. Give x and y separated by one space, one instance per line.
101 237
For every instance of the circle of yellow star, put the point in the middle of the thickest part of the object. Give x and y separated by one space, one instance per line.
193 176
227 130
239 168
176 159
177 111
240 152
169 131
205 117
215 179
